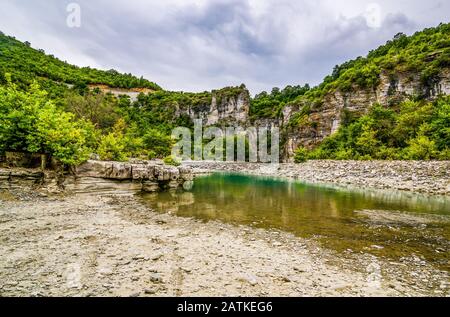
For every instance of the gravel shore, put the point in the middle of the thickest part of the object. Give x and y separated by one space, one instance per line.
432 178
106 245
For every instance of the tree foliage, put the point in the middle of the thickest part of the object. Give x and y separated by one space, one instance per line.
266 105
27 64
419 130
29 121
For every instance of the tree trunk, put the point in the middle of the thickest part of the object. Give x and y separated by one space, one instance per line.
43 161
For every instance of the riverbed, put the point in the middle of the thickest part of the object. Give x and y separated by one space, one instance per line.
118 245
391 224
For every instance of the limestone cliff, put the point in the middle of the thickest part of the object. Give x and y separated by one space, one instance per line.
325 120
228 106
231 107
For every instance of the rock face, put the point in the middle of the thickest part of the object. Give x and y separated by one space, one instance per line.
99 176
22 159
17 178
229 106
326 120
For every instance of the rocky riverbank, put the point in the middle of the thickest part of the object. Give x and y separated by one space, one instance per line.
110 245
103 241
99 176
431 178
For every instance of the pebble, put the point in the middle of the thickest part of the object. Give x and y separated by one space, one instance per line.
157 257
156 278
252 280
150 291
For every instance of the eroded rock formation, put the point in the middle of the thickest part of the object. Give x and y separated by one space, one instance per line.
326 120
100 176
321 121
229 106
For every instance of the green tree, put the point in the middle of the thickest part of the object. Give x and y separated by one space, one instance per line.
301 155
113 146
29 121
421 148
158 143
57 133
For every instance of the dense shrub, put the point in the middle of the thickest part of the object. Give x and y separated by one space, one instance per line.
301 155
169 160
29 121
417 131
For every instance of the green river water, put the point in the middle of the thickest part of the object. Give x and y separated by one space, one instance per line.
391 224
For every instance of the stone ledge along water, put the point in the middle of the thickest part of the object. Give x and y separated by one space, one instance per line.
102 176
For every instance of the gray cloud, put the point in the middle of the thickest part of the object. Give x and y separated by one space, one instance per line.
199 45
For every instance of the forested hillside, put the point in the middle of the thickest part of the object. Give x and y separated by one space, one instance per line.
425 53
47 106
26 64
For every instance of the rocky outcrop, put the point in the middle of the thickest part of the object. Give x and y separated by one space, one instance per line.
133 93
18 178
229 106
99 176
145 176
325 120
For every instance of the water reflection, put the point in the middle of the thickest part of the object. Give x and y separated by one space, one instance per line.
325 211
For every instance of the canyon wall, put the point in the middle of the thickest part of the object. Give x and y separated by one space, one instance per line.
228 107
326 120
231 107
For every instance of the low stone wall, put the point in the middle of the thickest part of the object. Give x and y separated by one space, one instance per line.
99 176
428 177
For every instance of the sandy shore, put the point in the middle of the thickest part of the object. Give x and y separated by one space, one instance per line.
107 245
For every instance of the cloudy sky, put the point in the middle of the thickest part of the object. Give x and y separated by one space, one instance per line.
197 45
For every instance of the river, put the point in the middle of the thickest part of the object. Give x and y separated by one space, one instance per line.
390 224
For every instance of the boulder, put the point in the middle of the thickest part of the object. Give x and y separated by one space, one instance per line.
141 172
186 173
94 169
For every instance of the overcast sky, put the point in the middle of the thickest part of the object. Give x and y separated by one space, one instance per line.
197 45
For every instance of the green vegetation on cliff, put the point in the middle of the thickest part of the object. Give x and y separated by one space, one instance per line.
415 130
410 129
266 105
425 53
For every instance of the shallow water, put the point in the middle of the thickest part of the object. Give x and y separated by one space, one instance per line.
385 223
